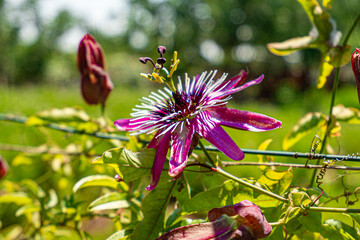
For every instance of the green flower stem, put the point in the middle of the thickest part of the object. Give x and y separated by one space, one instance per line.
106 135
102 109
206 153
256 188
334 210
335 86
348 34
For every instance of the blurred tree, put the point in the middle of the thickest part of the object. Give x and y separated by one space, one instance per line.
26 62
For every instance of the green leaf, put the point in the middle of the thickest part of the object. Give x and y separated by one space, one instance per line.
325 70
59 115
228 193
290 46
263 146
327 3
349 115
309 122
294 209
339 56
277 181
129 165
277 233
311 221
53 199
153 208
354 216
64 233
11 232
319 17
96 180
120 235
33 188
113 200
19 198
333 229
27 209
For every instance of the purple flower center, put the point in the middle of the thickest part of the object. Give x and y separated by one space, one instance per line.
168 109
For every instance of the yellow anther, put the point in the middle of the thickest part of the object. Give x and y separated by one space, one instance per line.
157 77
174 64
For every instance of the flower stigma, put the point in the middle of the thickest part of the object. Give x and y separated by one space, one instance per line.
160 74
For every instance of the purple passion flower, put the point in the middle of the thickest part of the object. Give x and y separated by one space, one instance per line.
95 81
196 109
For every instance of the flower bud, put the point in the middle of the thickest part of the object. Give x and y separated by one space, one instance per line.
355 63
3 168
95 81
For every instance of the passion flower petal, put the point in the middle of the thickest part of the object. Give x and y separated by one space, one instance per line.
159 161
180 145
216 135
244 120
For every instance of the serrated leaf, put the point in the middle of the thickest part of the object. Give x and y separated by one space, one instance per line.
96 180
153 208
19 198
278 181
129 165
325 70
305 125
113 200
290 46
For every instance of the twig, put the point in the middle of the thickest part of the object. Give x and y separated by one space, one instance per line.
107 135
294 165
